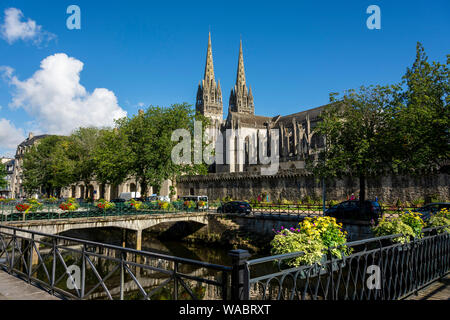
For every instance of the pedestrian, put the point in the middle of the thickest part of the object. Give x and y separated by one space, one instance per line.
353 197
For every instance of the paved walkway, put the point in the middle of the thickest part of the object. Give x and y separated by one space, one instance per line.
12 288
439 290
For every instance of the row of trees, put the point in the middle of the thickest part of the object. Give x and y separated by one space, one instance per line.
138 147
3 174
401 128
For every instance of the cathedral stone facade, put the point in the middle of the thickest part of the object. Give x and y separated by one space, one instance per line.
296 140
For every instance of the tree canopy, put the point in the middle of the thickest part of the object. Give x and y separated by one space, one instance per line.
47 166
402 128
3 174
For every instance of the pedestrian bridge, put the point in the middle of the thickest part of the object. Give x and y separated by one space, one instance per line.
136 223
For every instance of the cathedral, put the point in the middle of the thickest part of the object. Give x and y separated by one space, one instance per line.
295 139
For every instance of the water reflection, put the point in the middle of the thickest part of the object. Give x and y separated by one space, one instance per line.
153 278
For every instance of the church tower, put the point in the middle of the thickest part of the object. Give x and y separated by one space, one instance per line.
241 98
209 94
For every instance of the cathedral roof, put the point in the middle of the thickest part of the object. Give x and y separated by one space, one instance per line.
249 119
301 116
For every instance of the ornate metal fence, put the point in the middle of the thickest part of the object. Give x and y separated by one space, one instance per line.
378 269
77 269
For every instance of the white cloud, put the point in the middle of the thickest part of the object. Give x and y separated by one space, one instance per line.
57 101
13 29
10 137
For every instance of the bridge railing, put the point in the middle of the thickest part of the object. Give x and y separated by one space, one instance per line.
311 210
78 269
9 211
378 269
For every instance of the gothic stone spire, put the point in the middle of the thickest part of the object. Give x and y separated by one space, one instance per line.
209 95
209 67
241 100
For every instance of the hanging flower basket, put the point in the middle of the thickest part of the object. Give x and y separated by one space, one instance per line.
23 207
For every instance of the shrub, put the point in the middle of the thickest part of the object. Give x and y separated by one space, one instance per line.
135 204
287 241
105 205
418 202
189 204
286 202
440 219
332 203
307 200
25 207
413 220
70 205
312 236
164 205
394 226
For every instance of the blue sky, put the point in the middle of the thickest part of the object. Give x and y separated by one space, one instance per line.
153 53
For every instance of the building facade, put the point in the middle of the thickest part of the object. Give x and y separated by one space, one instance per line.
6 192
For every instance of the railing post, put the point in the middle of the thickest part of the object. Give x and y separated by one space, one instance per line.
122 274
53 267
240 286
30 258
13 254
83 271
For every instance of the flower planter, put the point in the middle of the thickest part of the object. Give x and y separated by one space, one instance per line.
317 269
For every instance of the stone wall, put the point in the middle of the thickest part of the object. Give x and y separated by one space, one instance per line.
297 185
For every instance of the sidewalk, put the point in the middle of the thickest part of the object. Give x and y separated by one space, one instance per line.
12 288
439 290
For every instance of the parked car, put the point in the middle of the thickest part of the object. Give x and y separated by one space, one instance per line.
235 207
431 208
351 209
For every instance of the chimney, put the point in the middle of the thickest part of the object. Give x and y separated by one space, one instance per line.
30 135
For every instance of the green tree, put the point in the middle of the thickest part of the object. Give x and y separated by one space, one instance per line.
83 143
356 129
423 118
150 147
3 175
47 166
399 128
111 157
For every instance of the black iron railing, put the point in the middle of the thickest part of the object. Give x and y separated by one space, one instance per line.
78 269
378 269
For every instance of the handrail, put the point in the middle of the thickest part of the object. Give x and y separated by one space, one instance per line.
348 244
125 250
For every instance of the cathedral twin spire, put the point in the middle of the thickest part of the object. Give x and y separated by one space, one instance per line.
209 94
241 98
